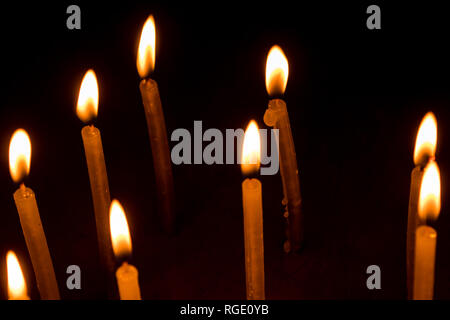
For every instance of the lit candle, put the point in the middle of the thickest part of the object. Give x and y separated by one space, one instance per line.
253 214
425 250
424 151
126 274
25 199
156 125
17 288
87 108
276 116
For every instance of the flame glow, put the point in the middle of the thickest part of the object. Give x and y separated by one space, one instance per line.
277 71
17 289
87 105
426 140
251 149
19 155
120 234
430 193
145 61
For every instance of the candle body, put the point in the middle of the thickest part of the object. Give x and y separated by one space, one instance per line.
413 223
424 263
160 151
128 283
277 116
253 238
33 232
101 199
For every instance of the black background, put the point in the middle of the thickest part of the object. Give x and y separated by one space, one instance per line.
355 98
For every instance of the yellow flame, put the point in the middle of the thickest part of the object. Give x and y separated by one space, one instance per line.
17 289
19 155
251 149
145 61
120 234
426 139
430 193
277 71
87 105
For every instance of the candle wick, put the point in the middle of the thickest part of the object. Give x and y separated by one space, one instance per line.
22 186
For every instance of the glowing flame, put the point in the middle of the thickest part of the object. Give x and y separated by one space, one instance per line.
430 193
426 140
87 105
277 71
120 234
19 155
145 61
17 289
251 149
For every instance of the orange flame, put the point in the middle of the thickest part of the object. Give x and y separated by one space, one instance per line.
120 234
19 155
426 140
145 61
251 149
430 193
87 105
277 71
17 288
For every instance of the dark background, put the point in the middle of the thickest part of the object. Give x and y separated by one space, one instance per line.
355 98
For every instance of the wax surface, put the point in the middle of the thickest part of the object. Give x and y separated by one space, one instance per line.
276 116
37 244
101 198
160 150
424 263
128 283
413 223
253 238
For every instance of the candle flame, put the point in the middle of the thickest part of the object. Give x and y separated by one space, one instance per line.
426 140
145 61
17 288
120 234
430 193
87 105
19 155
277 71
251 149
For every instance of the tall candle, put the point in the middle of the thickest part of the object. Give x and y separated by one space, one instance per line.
424 151
425 246
127 274
156 125
30 220
87 108
17 288
253 215
276 116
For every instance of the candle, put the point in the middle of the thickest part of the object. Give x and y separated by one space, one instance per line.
156 125
276 116
87 108
428 209
126 274
25 199
253 215
424 150
17 288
